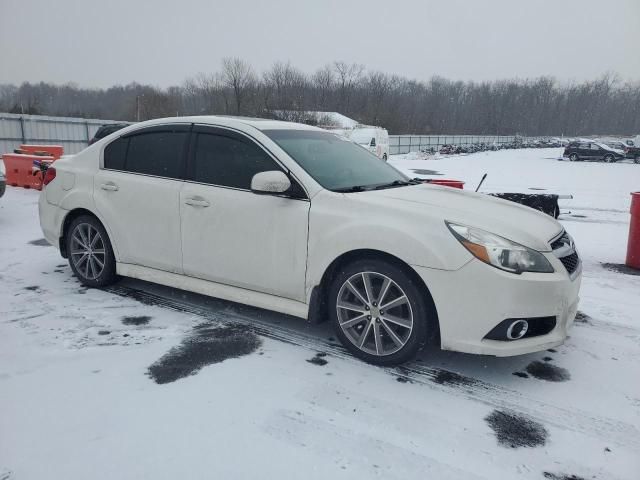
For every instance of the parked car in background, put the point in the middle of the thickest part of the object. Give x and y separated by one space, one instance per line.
107 129
3 178
633 153
295 219
615 144
582 150
374 139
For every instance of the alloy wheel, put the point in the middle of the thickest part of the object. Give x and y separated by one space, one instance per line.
374 313
87 251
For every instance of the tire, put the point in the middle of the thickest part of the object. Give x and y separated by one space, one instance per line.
574 157
384 157
609 159
84 231
636 160
411 321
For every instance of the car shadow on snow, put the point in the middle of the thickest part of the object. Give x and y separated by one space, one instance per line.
448 369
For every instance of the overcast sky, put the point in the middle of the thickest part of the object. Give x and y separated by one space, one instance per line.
162 42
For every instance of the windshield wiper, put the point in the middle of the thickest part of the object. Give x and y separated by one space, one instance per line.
354 188
396 183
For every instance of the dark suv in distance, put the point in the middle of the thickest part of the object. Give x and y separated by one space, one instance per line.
578 151
107 129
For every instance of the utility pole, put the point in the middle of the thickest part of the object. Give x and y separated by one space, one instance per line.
137 108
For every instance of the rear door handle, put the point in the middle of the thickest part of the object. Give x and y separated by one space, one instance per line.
111 187
197 202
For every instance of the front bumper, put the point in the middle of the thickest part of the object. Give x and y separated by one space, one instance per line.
471 301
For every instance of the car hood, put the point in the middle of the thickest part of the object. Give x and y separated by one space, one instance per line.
518 223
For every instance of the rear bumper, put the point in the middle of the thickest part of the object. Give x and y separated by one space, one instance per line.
471 301
51 219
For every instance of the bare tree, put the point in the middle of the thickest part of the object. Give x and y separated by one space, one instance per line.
238 75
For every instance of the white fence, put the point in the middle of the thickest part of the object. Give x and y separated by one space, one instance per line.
72 133
415 143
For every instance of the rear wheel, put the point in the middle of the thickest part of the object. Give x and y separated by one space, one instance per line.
384 157
379 312
636 160
90 253
573 157
609 158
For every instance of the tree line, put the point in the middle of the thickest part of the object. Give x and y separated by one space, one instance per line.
539 106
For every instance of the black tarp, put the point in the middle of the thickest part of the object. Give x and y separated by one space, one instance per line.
547 203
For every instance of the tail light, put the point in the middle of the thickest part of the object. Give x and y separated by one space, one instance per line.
49 175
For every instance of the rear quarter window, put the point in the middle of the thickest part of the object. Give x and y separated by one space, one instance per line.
115 154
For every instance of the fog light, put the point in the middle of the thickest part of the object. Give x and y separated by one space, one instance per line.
517 329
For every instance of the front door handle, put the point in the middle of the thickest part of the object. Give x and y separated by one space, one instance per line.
197 202
110 187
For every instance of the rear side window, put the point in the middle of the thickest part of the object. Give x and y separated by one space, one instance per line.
228 161
158 153
115 154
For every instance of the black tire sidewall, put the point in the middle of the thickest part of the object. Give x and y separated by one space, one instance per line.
108 275
573 157
423 314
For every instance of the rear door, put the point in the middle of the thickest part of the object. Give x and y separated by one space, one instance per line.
231 235
137 193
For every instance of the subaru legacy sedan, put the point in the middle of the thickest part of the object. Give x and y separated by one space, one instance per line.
298 220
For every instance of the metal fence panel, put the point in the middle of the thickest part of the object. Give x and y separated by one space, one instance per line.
72 133
415 143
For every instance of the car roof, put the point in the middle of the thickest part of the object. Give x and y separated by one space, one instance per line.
230 121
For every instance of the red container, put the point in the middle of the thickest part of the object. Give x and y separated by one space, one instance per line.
55 151
446 183
20 171
633 245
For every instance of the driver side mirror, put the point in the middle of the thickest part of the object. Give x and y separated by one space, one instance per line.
273 182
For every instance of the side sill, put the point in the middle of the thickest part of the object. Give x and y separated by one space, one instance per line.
213 289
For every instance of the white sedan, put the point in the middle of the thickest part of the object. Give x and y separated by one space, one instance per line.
295 219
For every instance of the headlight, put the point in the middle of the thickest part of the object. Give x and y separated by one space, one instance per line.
500 252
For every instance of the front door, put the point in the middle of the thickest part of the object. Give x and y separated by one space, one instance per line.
231 235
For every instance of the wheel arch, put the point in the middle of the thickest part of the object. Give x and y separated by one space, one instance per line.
318 301
70 217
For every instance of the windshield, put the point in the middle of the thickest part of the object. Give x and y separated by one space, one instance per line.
334 162
362 137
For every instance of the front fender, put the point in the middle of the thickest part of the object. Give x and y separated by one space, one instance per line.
336 228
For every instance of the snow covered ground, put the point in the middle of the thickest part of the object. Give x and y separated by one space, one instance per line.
142 381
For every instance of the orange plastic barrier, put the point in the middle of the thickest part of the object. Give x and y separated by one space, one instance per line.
20 171
446 183
55 151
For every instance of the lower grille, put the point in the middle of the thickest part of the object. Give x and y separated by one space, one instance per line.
570 262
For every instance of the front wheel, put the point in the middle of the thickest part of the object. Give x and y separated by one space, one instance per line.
609 158
90 253
636 160
384 157
573 157
380 313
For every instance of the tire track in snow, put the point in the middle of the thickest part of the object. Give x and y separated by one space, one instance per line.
496 396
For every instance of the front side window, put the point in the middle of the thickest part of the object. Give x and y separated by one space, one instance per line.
228 161
157 153
594 147
335 162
